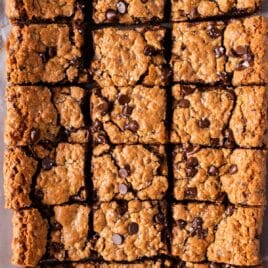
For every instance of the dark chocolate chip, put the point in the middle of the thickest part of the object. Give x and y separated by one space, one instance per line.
229 141
230 210
52 52
122 207
123 99
241 50
233 169
219 51
34 135
184 103
132 125
125 171
213 171
242 65
47 163
191 172
213 31
97 126
57 247
111 15
190 192
63 135
123 189
187 90
224 77
232 53
103 108
121 7
204 123
118 239
127 110
149 50
192 162
101 138
159 218
133 228
182 224
194 14
38 194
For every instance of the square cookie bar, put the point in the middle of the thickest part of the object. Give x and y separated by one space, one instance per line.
130 230
129 115
129 172
44 176
225 235
40 10
40 114
215 175
126 57
217 52
128 11
48 53
220 117
182 10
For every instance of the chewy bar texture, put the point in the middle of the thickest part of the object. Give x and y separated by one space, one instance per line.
225 235
220 117
127 57
45 53
43 114
128 115
63 236
215 52
128 11
44 176
49 10
213 175
182 10
129 171
128 231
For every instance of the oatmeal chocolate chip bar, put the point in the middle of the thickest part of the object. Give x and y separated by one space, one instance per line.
214 175
220 117
225 235
36 114
127 231
69 237
47 177
128 11
126 57
40 10
217 52
129 115
48 53
182 10
29 237
129 172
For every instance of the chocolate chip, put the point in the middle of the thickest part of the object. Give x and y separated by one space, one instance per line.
103 108
101 138
123 189
219 51
233 169
204 123
182 224
47 163
191 172
229 141
183 103
57 247
224 77
44 57
194 14
97 126
214 142
213 31
121 7
232 53
241 50
118 239
123 99
230 210
52 52
197 223
34 135
213 171
55 226
111 15
80 196
159 218
125 171
38 194
187 90
133 228
242 65
127 110
122 207
63 135
190 192
132 125
192 162
149 50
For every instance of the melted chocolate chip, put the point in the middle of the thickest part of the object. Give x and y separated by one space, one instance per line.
204 123
229 141
133 228
241 50
121 7
111 15
233 169
132 125
123 189
122 207
184 103
213 171
182 224
47 163
97 126
52 52
192 162
191 172
103 108
242 65
190 192
219 51
213 32
123 99
149 50
159 218
34 135
63 135
125 171
118 239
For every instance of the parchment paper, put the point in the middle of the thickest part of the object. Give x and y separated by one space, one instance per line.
5 215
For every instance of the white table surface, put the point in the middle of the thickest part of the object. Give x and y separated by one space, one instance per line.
5 218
